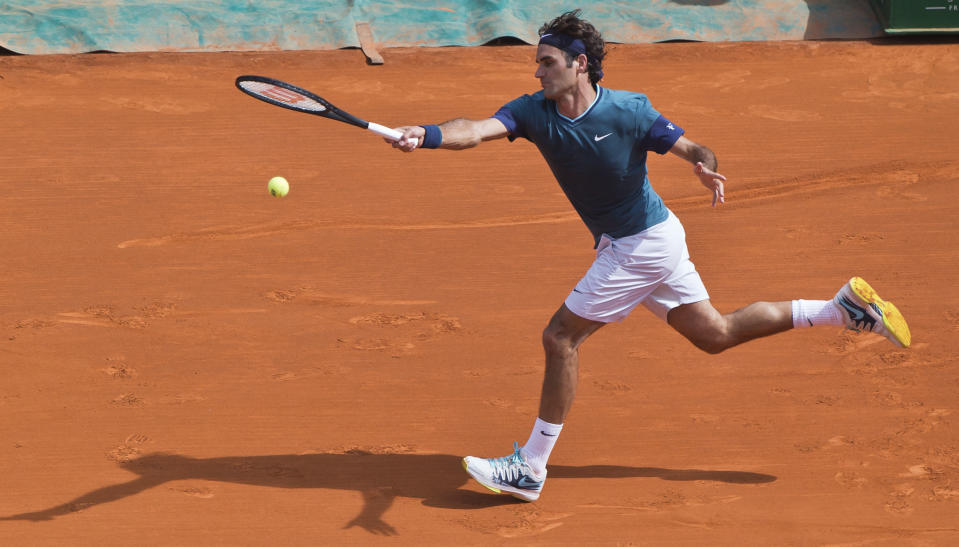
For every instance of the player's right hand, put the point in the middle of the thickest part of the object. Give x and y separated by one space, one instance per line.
411 140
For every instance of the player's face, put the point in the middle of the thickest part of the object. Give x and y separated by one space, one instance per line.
556 78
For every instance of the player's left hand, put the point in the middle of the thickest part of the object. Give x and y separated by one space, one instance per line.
713 181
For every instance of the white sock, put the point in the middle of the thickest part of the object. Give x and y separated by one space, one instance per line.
540 444
813 313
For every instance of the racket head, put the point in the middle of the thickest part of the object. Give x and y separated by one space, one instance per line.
286 95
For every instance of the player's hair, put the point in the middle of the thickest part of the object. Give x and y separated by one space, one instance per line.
570 24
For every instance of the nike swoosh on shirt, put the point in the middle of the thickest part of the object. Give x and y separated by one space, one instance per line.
597 138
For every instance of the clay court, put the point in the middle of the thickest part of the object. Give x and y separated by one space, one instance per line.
188 360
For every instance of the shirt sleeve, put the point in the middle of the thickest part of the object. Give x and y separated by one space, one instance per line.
513 115
505 115
662 135
654 131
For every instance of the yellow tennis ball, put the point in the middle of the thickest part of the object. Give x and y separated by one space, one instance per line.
278 187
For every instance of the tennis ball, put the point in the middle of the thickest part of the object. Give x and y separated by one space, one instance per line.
278 186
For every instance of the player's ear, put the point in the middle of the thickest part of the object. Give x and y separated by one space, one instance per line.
582 64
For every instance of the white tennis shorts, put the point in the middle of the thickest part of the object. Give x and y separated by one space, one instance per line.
651 268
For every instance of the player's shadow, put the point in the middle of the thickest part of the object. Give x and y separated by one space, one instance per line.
379 478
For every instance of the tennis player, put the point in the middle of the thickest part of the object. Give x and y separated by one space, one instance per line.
595 141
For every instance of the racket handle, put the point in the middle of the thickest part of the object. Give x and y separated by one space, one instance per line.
385 131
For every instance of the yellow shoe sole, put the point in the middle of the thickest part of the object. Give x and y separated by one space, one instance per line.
894 322
465 468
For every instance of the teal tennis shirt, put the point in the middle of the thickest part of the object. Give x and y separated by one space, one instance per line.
599 158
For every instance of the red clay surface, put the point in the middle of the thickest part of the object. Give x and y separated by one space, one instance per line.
187 360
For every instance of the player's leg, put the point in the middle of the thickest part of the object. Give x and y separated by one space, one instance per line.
625 272
856 306
682 300
608 292
714 332
523 472
562 337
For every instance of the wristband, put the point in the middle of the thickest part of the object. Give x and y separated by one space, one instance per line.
433 137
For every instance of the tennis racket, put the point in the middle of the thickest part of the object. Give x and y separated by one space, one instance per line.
296 98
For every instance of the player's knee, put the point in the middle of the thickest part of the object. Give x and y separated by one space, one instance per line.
713 340
555 342
703 326
711 346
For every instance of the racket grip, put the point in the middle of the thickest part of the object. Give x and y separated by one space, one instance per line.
385 131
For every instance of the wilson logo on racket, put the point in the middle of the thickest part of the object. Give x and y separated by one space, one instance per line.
280 94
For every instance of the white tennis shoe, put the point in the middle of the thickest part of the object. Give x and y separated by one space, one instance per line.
507 475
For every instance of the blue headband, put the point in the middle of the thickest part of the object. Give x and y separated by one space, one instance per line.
566 43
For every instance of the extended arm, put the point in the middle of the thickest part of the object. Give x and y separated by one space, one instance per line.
705 166
456 134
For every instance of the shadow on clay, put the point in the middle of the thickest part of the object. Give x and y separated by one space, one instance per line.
379 478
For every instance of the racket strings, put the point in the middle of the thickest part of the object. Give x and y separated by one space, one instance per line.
283 95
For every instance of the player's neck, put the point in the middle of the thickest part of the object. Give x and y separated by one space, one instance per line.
573 104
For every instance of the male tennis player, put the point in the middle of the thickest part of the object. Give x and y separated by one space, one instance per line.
596 140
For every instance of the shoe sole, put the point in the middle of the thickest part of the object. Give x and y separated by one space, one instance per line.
493 488
894 322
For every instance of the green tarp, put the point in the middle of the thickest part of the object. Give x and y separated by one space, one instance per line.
41 27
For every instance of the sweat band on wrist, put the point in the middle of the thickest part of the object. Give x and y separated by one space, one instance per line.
433 137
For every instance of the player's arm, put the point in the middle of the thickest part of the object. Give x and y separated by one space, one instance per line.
455 134
705 166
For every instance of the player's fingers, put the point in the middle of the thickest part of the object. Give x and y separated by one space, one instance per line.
721 191
410 139
406 144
